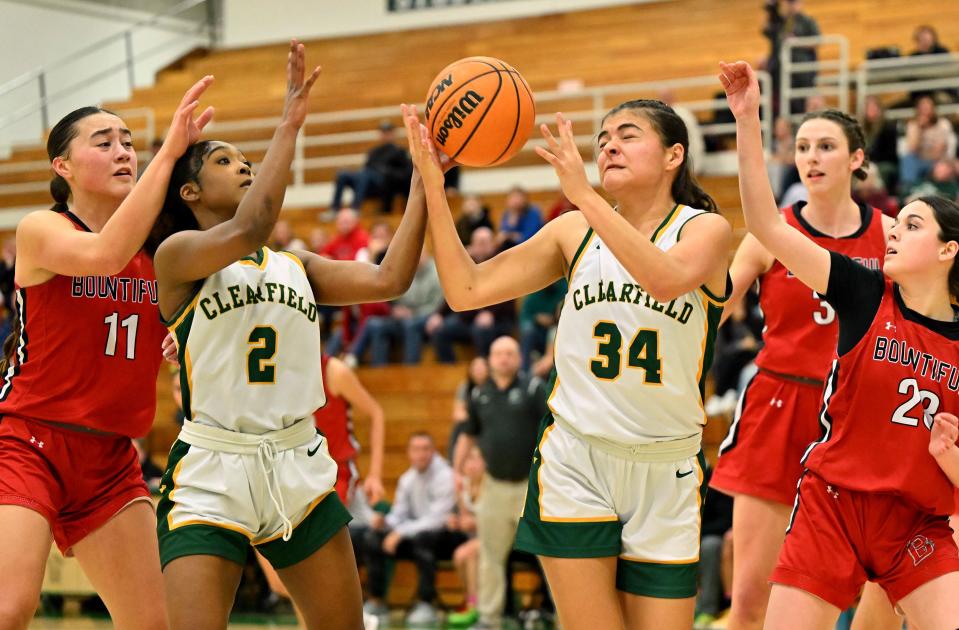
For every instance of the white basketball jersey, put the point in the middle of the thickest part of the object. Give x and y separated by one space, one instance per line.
630 369
249 346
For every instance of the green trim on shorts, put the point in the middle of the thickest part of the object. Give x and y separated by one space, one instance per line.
562 540
320 525
195 539
650 579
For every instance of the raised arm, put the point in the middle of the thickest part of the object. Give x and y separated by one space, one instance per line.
467 285
698 259
191 255
48 244
354 282
805 259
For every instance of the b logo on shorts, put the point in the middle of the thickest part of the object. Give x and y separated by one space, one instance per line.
920 548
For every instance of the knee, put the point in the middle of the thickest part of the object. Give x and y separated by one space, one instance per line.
16 612
750 599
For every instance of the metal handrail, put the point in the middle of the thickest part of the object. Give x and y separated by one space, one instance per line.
39 74
941 72
838 84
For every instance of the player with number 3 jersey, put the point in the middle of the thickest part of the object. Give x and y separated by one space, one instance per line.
776 418
874 500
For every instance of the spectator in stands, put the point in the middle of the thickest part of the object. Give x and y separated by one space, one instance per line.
881 139
941 181
386 174
784 20
415 529
929 138
466 556
319 237
873 191
504 415
474 214
521 219
406 320
697 145
480 326
350 237
283 237
562 205
537 316
721 116
476 374
717 523
782 164
927 42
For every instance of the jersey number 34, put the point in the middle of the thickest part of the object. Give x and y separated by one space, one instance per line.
642 353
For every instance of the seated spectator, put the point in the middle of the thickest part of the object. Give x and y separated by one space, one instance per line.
476 374
481 326
881 137
349 239
929 138
386 174
466 556
873 192
415 529
536 317
474 214
521 220
927 42
405 321
283 238
715 537
782 165
940 181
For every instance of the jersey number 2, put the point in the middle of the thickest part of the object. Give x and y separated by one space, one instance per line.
262 340
643 353
928 404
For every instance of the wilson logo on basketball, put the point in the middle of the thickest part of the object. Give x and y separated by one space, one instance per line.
442 85
457 115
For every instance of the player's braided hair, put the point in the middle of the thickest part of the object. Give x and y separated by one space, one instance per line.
850 128
671 130
946 213
176 216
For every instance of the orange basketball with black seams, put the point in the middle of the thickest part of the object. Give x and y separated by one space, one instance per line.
479 111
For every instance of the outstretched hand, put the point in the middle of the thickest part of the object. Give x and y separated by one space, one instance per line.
563 155
185 130
944 433
297 87
742 88
429 163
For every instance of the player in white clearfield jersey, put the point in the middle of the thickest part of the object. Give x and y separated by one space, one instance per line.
613 503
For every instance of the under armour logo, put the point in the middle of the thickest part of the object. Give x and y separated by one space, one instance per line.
920 548
890 326
832 492
38 443
776 402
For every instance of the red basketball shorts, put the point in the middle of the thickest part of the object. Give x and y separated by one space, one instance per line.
839 538
77 480
775 421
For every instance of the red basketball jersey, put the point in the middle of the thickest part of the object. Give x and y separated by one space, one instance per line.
334 421
89 350
800 327
879 402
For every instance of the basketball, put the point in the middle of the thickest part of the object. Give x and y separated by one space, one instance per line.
479 111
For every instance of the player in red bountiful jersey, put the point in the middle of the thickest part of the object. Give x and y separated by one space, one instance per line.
776 418
877 491
79 379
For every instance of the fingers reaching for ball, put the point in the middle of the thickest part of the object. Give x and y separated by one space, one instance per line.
424 154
